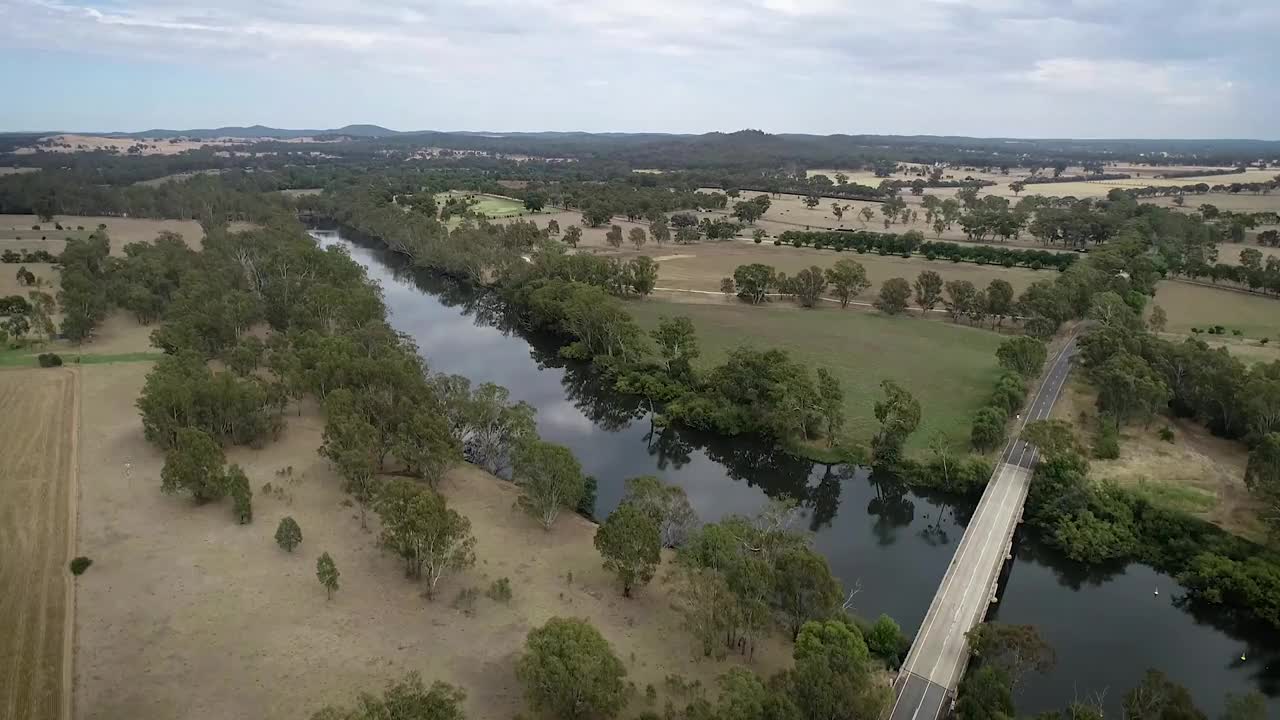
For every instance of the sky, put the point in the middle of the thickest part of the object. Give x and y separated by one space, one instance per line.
987 68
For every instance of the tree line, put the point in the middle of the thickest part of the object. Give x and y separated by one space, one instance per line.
913 242
1139 376
574 296
1252 272
392 429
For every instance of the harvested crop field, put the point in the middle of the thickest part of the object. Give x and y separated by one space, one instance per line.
187 614
949 368
37 442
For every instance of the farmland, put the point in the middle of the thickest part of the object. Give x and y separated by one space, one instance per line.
493 207
860 349
37 441
18 232
1197 306
700 267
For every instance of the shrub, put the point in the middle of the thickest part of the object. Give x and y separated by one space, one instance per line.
758 240
500 590
569 671
1237 333
48 360
1106 443
465 602
35 227
1166 434
1264 341
777 242
885 640
80 564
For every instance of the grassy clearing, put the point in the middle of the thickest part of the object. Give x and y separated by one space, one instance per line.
1189 306
949 368
27 358
1192 500
1197 473
491 206
36 441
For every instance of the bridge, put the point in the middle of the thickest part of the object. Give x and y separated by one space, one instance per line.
929 677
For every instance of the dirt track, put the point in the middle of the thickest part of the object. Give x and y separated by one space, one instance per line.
37 444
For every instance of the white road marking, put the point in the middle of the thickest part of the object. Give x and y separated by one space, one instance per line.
1041 407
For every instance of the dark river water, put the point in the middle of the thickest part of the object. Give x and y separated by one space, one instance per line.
1107 626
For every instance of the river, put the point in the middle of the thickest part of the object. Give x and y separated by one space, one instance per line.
893 544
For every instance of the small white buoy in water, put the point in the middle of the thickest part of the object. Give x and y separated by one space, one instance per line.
1242 658
1157 592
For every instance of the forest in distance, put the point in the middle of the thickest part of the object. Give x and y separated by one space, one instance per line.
251 340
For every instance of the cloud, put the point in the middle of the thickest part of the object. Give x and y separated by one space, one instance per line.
1170 84
832 65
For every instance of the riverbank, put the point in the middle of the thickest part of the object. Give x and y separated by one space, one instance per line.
203 573
860 349
892 541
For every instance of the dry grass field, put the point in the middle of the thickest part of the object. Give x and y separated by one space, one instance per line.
1236 202
187 614
16 231
1142 176
177 177
1229 253
10 170
45 273
701 266
37 442
1190 306
788 212
1196 473
71 143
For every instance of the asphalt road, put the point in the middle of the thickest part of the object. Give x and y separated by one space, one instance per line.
939 654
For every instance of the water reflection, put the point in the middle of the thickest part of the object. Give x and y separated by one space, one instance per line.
892 541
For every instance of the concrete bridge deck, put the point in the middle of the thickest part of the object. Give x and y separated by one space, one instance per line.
928 679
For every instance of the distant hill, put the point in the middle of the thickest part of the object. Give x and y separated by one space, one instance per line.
257 131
